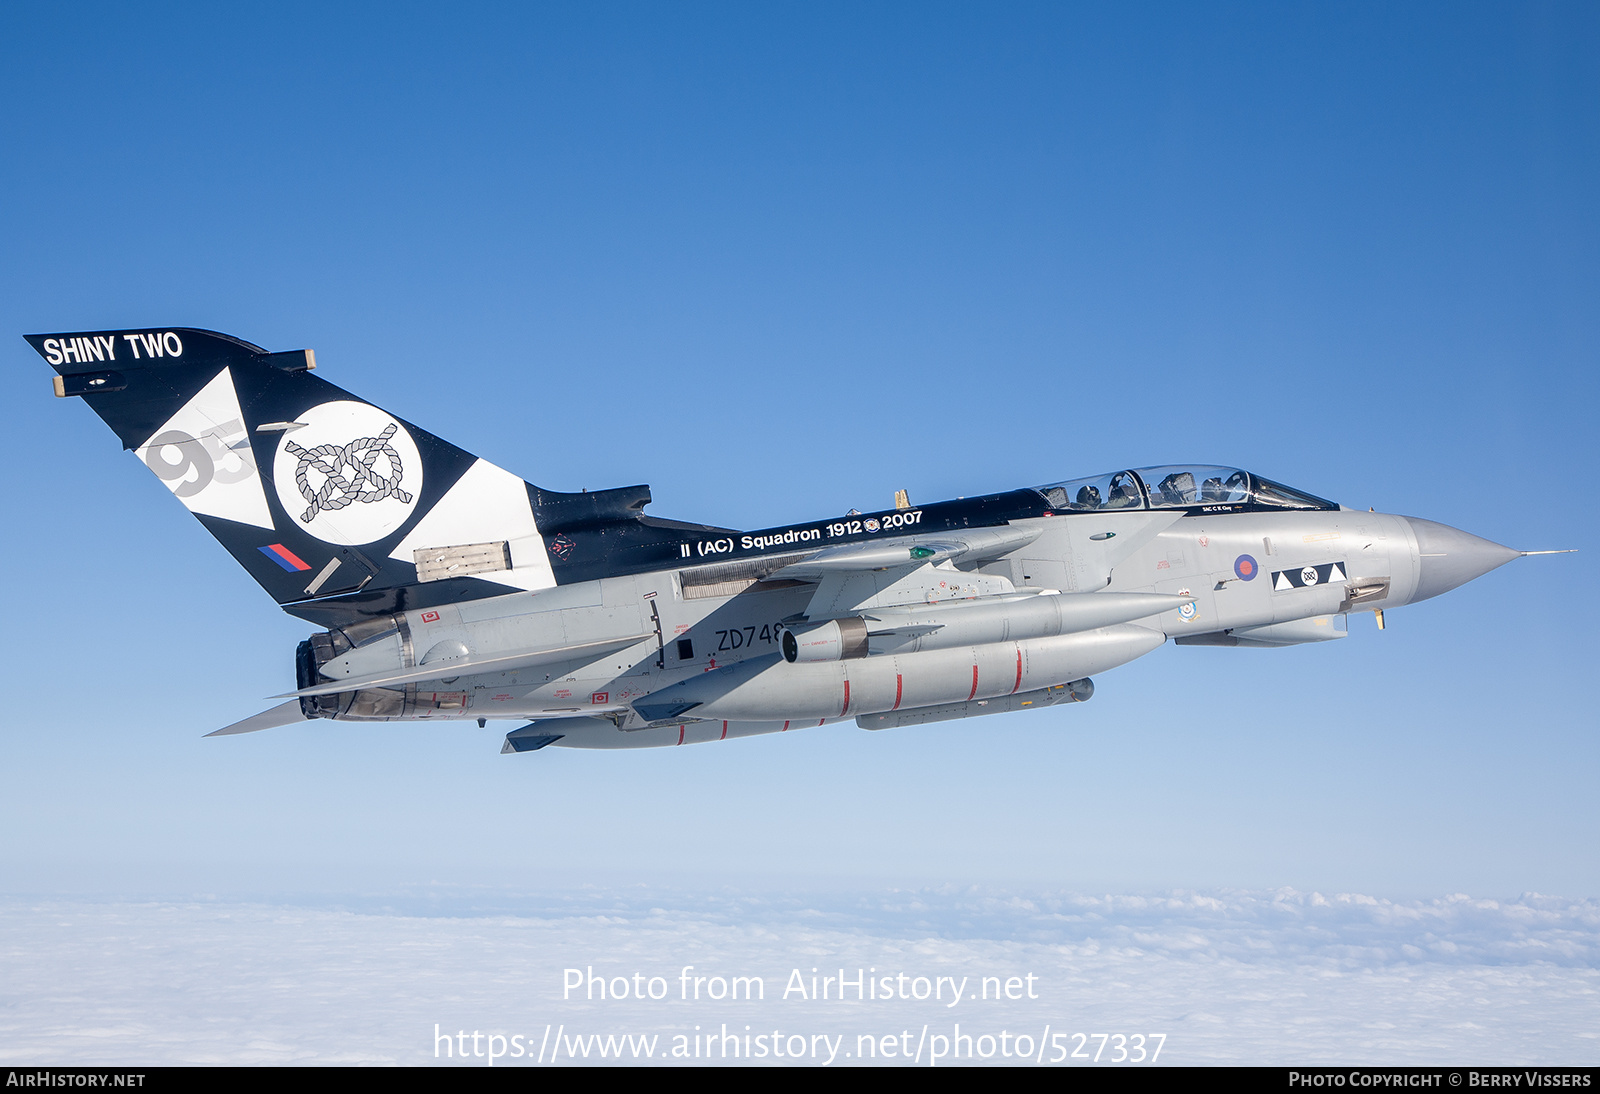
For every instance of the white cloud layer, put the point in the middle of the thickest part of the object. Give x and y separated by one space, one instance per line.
1246 977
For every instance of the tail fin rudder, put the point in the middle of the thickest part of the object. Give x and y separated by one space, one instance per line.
336 507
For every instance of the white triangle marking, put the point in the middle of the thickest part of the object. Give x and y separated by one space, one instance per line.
205 457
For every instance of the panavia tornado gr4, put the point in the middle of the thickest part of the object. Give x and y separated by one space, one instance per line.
452 589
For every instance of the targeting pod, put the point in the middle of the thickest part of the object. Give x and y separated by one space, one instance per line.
835 640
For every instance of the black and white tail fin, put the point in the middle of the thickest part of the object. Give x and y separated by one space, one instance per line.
335 506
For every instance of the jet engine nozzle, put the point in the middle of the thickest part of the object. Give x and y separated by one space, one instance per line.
376 640
835 640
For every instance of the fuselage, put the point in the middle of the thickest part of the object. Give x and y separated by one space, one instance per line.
707 660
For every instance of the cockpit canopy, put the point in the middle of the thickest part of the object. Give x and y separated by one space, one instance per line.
1177 487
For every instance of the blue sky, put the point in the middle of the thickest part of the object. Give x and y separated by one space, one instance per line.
779 261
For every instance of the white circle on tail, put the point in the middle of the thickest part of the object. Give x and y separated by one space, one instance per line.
351 474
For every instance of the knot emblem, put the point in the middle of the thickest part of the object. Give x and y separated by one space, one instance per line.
348 473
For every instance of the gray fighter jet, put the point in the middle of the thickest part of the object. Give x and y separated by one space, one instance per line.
452 589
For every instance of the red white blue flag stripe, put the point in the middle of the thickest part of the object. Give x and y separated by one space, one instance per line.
284 557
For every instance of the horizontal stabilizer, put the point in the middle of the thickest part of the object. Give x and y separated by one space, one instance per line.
472 666
284 714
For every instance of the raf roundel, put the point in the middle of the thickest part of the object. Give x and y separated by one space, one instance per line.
1244 568
351 474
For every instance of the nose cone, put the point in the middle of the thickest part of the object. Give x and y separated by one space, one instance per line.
1451 557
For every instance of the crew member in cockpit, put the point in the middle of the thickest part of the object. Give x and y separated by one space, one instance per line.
1124 492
